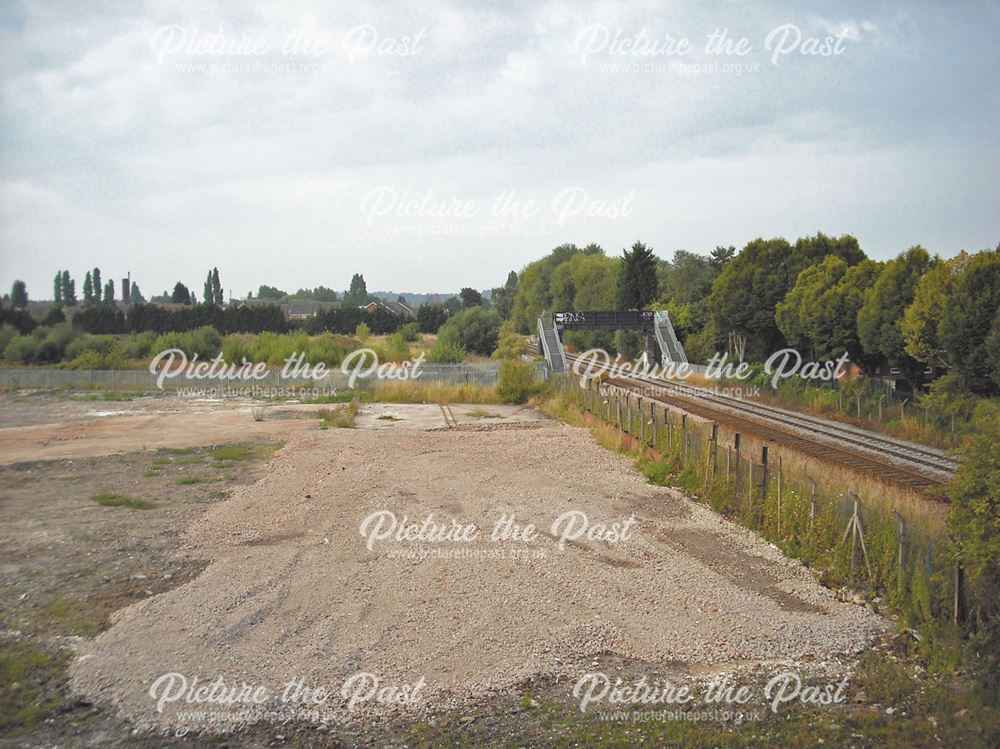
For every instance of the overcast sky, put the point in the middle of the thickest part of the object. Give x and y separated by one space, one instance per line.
433 145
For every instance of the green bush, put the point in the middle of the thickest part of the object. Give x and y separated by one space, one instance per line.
446 352
410 332
975 525
362 332
516 381
7 334
204 342
396 349
475 329
21 350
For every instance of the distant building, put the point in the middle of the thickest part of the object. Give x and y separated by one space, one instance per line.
305 309
403 309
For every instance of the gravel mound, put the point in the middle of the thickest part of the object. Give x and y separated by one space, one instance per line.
293 592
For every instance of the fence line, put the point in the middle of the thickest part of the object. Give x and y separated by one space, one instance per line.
142 379
857 544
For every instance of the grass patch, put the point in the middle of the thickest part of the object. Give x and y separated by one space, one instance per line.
339 418
431 392
107 499
34 670
233 452
74 617
151 474
481 413
192 480
114 397
389 417
161 461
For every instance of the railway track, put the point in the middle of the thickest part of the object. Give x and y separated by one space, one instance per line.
893 460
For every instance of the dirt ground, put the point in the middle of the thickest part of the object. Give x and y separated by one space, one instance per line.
250 565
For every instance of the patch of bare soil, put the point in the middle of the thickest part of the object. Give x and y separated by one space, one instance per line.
68 562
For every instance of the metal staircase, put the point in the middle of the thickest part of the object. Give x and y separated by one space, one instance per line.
552 347
665 336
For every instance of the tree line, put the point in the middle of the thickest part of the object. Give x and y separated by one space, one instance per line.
820 294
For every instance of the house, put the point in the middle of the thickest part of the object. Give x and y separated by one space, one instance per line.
402 309
303 310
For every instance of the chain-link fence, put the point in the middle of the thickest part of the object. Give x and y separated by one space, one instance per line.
141 379
854 543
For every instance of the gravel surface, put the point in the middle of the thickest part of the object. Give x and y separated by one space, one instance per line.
292 591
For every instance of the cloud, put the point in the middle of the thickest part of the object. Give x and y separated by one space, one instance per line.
116 154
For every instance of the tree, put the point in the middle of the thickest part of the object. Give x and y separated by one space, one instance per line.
796 314
534 294
470 298
207 291
109 293
474 329
637 278
19 295
135 296
502 297
922 318
68 289
752 284
217 295
430 317
720 256
968 318
882 311
54 316
834 328
96 286
271 292
180 295
357 294
453 305
88 289
57 288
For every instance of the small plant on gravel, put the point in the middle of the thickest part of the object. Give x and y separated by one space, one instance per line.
191 480
257 412
389 417
232 452
106 499
339 418
481 413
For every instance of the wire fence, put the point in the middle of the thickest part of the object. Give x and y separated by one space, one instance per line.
856 544
37 378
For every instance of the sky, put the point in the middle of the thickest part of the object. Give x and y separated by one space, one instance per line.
433 145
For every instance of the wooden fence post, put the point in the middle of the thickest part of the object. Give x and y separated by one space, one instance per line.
901 552
714 448
763 483
779 493
959 616
684 437
812 502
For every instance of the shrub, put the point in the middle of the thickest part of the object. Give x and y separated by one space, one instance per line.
410 332
474 329
21 350
446 352
516 381
204 342
7 334
362 332
396 349
975 524
511 344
